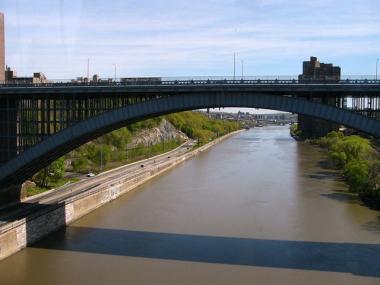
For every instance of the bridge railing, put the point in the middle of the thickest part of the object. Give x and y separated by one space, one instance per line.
196 80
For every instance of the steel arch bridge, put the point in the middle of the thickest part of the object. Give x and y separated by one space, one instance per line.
41 122
42 154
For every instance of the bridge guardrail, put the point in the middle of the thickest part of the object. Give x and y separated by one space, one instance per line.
197 80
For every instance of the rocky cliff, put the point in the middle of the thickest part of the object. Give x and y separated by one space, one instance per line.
165 131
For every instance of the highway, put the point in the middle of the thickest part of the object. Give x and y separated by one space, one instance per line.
124 173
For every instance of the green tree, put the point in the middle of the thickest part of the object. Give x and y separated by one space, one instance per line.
102 155
356 173
374 177
53 172
80 164
349 148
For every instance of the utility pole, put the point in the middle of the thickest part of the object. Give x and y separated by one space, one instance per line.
114 71
377 61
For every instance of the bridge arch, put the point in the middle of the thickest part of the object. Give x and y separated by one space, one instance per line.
39 156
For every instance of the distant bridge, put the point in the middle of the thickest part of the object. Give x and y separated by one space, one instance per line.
41 122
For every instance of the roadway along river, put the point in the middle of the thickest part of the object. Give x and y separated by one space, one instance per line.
259 208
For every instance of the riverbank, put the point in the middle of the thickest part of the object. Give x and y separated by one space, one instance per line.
359 162
356 157
43 218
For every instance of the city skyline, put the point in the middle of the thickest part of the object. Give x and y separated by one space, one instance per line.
171 38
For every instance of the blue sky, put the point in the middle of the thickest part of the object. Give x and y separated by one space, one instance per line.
180 38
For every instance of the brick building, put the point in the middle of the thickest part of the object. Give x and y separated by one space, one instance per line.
314 70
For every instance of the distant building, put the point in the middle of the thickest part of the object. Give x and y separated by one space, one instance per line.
313 70
95 78
10 74
11 77
80 80
2 48
39 77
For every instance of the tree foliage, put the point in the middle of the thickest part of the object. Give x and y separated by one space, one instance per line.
52 173
198 126
350 148
356 173
359 161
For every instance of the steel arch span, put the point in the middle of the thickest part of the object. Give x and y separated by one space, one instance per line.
39 156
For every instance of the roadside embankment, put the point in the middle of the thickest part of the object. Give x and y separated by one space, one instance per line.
45 216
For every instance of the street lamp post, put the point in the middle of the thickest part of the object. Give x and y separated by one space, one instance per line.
242 69
234 65
114 71
377 61
88 69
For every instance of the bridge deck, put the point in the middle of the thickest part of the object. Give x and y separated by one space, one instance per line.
280 87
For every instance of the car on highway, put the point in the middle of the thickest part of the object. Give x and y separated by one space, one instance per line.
90 174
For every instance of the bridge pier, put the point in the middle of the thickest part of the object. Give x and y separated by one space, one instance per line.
12 194
314 128
9 146
8 129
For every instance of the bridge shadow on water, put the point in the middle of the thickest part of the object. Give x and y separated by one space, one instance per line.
354 258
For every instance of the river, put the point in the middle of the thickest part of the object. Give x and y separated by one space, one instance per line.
258 208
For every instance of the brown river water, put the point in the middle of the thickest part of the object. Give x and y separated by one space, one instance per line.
258 208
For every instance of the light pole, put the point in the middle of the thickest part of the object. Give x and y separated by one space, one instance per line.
88 69
114 65
377 61
242 69
234 65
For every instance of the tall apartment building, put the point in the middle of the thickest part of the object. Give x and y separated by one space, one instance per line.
2 48
314 70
